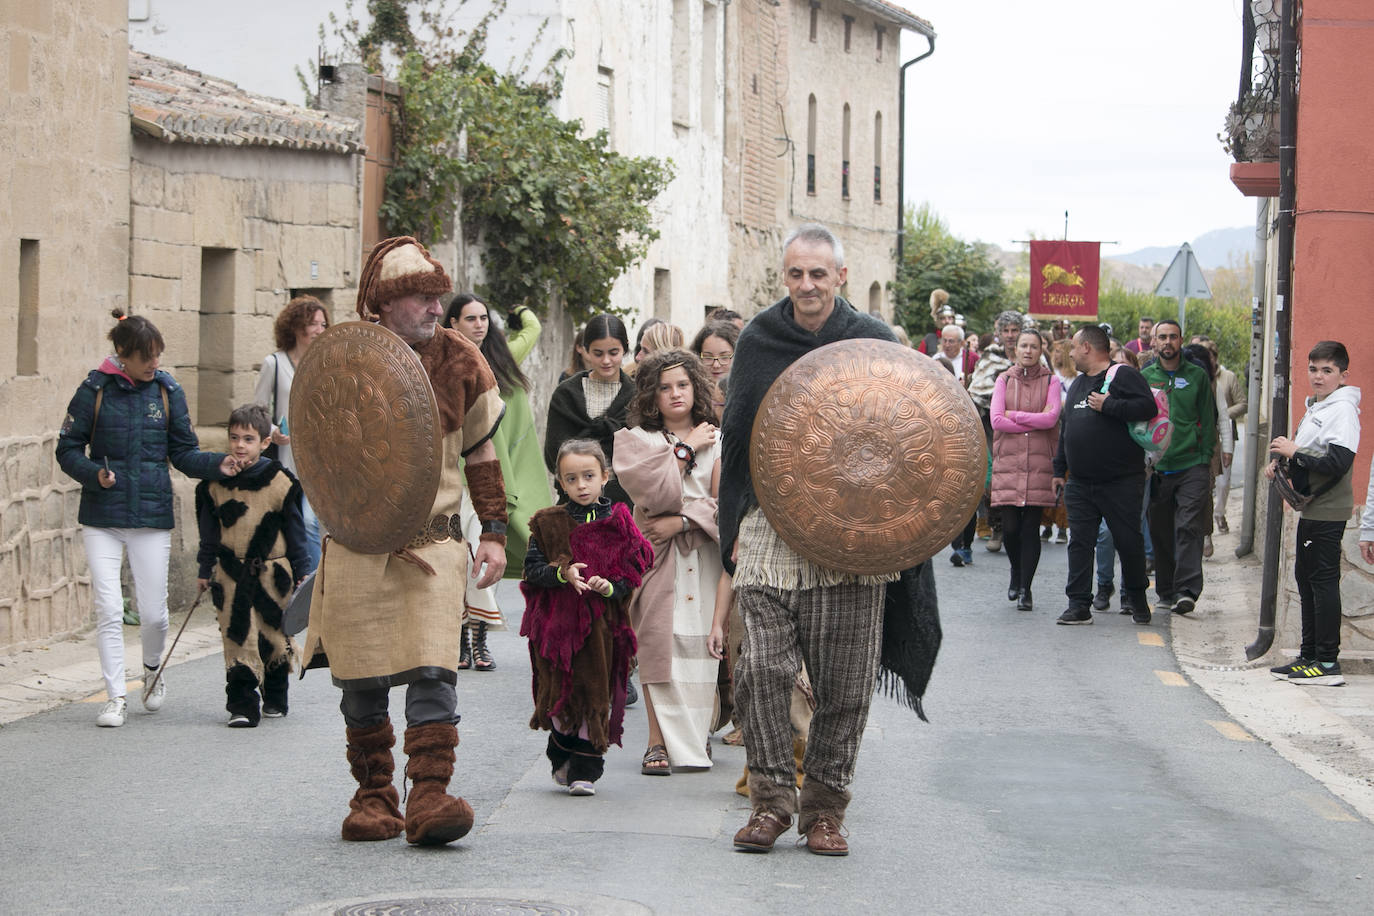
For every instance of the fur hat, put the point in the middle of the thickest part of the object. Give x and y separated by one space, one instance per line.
938 298
396 268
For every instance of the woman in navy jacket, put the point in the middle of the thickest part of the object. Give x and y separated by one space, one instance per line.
125 424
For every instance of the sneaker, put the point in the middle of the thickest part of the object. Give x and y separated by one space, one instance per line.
239 720
1140 615
112 713
956 557
560 775
967 554
1165 603
995 542
1060 537
581 787
1075 616
153 699
1046 532
1282 671
1184 604
631 695
1103 599
1322 674
272 712
1149 566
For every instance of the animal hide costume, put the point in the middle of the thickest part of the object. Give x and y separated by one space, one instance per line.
581 646
252 549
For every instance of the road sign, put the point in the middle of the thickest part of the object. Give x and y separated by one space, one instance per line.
1183 280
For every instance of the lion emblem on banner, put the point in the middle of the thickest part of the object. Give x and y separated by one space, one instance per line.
1054 275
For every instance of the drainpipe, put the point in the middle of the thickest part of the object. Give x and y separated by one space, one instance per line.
1283 312
901 143
1255 381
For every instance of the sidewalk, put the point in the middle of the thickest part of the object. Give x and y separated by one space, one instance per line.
1327 732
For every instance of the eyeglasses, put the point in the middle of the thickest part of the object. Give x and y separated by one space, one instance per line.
722 360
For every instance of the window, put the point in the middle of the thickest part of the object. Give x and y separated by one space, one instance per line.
878 157
875 299
811 145
844 155
848 31
26 355
815 18
215 375
605 103
878 34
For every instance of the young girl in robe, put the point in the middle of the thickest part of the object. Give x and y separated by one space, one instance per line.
668 460
585 559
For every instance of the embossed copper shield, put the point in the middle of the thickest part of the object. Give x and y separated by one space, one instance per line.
867 456
367 437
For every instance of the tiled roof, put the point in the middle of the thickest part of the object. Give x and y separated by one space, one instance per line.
894 13
178 105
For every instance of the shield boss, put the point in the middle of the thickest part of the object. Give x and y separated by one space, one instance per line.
867 457
367 437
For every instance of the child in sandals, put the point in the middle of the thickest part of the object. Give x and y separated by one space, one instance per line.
585 559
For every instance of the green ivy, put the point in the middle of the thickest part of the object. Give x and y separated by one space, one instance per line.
557 214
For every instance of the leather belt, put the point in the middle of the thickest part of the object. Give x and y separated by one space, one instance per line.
439 530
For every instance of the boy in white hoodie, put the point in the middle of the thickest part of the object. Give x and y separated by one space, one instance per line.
1319 458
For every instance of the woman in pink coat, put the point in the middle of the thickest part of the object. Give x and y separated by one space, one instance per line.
1025 417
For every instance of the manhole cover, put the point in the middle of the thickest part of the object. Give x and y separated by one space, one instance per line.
456 906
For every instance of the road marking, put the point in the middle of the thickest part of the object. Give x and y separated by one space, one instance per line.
1149 639
1326 808
100 697
1231 730
1171 679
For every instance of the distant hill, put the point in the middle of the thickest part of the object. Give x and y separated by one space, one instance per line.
1213 249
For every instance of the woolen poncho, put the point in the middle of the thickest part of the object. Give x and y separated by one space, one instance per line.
770 343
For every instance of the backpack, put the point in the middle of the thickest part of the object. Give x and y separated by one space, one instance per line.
1151 435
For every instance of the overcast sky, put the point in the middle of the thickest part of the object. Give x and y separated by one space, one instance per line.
1107 109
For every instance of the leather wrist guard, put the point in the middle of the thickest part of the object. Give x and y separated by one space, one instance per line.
488 493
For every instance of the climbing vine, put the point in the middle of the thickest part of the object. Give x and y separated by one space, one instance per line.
557 213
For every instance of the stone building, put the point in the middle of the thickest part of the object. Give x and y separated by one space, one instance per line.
812 136
64 253
237 203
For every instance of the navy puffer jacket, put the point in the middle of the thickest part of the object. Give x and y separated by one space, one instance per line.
134 432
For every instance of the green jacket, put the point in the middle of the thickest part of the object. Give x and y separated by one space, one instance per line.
1192 412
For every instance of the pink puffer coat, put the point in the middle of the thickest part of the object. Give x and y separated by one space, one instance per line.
1025 433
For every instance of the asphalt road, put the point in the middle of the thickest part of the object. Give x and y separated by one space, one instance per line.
1065 770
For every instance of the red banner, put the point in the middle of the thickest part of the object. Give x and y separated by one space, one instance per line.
1063 280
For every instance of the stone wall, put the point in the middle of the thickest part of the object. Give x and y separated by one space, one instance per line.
220 238
64 210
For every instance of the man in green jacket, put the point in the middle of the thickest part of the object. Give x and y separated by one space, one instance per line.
1182 478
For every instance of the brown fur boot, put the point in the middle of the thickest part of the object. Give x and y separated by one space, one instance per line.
433 817
374 814
817 799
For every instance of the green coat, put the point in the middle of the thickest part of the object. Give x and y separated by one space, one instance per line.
522 460
1192 411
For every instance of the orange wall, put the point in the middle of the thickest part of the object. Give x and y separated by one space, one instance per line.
1333 252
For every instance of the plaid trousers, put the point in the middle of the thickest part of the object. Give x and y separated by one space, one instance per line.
837 631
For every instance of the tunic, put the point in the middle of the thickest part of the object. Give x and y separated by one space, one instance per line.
378 620
671 612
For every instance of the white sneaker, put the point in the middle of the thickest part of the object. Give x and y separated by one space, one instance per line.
112 714
152 700
581 787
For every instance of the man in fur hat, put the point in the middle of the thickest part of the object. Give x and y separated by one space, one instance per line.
390 619
942 313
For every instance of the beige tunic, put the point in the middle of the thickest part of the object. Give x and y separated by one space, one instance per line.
382 620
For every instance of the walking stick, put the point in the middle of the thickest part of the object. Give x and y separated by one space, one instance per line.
157 675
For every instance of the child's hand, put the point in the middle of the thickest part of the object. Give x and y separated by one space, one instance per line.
661 529
1270 469
106 478
229 466
1283 446
573 573
202 585
715 641
1367 551
599 585
701 436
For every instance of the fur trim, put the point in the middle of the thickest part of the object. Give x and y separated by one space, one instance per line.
938 299
776 799
458 372
816 799
487 491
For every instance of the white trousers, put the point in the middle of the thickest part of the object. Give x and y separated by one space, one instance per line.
149 550
1222 491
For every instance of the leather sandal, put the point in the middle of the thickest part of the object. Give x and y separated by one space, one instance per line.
656 754
464 650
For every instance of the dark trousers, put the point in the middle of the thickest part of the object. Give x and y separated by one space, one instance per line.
427 700
1178 510
964 540
241 690
1021 535
1090 502
1317 567
584 763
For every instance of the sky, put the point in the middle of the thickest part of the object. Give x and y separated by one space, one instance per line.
1107 109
